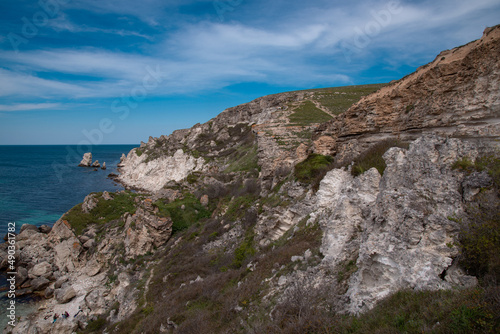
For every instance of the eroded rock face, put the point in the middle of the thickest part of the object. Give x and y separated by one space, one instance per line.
86 161
458 94
72 272
144 231
397 224
153 175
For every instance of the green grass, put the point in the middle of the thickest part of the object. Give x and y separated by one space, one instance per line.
193 212
244 250
373 157
307 113
245 159
237 207
104 212
339 103
313 168
426 312
464 164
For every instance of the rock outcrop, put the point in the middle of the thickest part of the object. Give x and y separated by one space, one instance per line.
72 272
397 226
458 94
86 161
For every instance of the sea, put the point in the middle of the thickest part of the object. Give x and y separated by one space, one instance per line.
39 183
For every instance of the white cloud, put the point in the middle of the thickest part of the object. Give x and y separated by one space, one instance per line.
63 23
29 106
301 48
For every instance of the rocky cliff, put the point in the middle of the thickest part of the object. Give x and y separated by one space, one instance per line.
457 95
279 214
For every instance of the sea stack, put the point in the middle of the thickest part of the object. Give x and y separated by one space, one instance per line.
123 157
103 167
96 164
86 161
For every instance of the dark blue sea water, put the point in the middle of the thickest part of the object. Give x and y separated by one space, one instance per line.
40 183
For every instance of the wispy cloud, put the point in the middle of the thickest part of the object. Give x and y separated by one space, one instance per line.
279 43
63 23
30 106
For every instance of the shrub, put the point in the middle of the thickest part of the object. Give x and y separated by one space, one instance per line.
243 251
463 164
193 212
479 237
373 157
313 169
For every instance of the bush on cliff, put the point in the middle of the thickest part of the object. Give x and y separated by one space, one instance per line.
183 212
373 157
313 168
104 212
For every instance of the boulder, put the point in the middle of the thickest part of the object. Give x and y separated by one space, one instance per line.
39 283
59 283
62 230
30 227
103 167
204 200
26 235
83 239
21 276
106 196
89 243
96 164
41 269
48 293
64 295
44 229
86 161
89 203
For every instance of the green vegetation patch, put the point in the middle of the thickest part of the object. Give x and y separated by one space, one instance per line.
307 113
104 212
245 159
479 237
245 250
183 212
313 168
373 157
339 99
488 163
238 206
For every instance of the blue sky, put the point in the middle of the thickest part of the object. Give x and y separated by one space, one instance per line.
118 71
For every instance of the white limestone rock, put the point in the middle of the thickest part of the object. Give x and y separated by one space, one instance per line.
153 175
86 161
396 223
